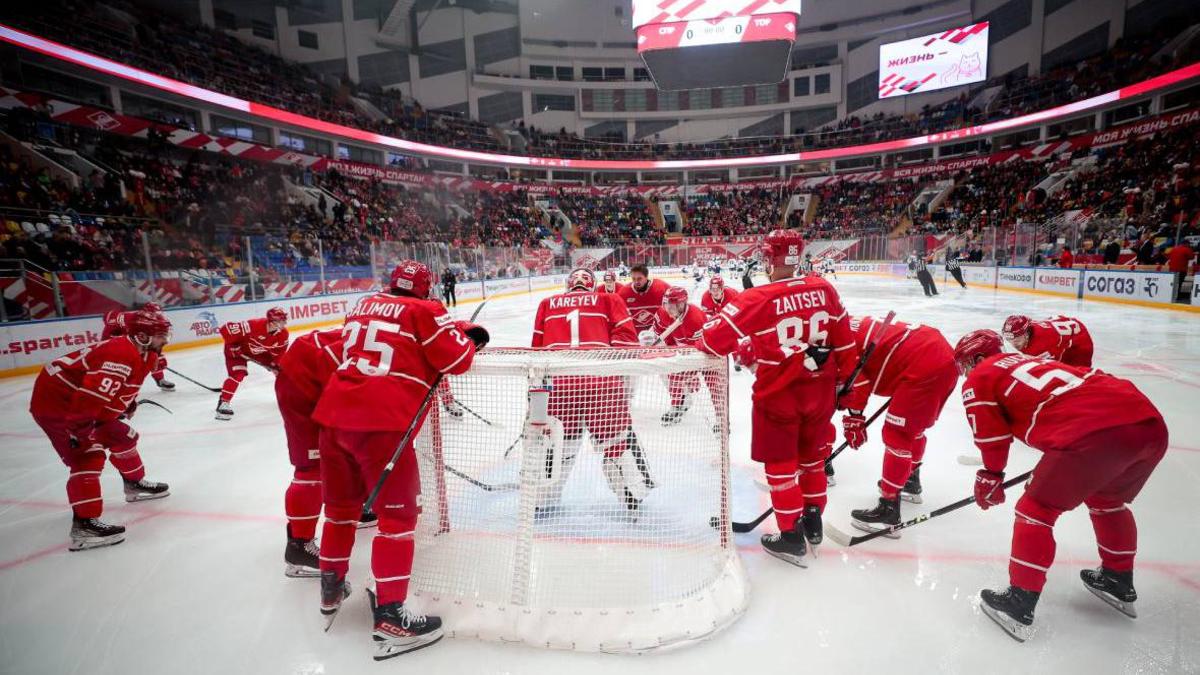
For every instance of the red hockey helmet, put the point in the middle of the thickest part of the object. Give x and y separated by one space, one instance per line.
144 325
581 279
717 284
783 247
745 356
610 277
113 317
675 300
412 277
974 345
1016 328
276 314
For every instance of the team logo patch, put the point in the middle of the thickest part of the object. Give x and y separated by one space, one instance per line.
895 419
729 310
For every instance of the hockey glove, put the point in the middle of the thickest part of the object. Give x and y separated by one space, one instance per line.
647 338
477 333
129 411
854 429
988 489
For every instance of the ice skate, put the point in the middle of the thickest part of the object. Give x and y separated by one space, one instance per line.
788 546
89 533
334 590
399 630
884 515
911 492
1012 610
144 490
1115 588
165 384
224 410
301 556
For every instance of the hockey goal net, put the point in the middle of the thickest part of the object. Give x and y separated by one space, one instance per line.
579 500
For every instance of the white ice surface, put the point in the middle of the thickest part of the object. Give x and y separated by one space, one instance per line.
198 586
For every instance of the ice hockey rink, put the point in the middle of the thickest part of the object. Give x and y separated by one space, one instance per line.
198 586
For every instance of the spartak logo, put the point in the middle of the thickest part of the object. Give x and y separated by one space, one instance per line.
103 120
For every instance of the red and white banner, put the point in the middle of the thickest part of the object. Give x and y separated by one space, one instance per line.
590 258
649 12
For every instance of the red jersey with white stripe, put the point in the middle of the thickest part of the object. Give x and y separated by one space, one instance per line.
582 319
900 352
782 319
253 341
616 290
1060 338
642 305
393 348
686 333
94 384
1047 404
310 360
711 306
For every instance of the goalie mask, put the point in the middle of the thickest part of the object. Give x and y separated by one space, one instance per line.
581 280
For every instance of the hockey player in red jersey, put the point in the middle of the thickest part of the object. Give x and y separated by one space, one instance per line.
914 366
610 285
114 326
303 371
1101 439
1060 338
83 402
580 319
678 324
396 345
259 340
643 297
717 296
794 326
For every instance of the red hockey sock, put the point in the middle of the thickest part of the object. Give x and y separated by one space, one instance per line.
337 537
302 503
129 463
897 464
229 388
786 497
814 482
1032 544
83 485
1116 534
917 450
392 558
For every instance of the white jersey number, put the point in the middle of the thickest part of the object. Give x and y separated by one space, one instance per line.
1023 375
790 333
381 351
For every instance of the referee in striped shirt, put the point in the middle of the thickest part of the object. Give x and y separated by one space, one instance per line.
953 268
923 275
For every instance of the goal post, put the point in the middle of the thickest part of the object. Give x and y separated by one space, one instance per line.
563 508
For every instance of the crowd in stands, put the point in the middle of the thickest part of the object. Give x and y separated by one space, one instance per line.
148 39
738 212
611 220
847 208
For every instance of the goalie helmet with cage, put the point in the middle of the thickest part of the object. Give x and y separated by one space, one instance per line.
413 278
581 279
276 315
675 300
976 345
783 247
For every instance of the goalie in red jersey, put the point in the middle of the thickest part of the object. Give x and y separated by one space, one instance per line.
114 326
259 340
1060 338
580 318
794 326
1101 439
914 366
83 402
610 283
396 345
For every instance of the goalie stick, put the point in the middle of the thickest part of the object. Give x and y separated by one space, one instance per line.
846 540
214 390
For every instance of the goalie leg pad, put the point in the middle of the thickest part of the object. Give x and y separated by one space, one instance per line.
558 464
625 480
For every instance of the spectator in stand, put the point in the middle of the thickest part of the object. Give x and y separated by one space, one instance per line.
1179 261
1112 252
1066 259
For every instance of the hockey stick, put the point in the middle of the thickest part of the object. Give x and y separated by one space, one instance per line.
846 540
146 401
498 487
214 390
968 460
474 414
742 528
408 433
